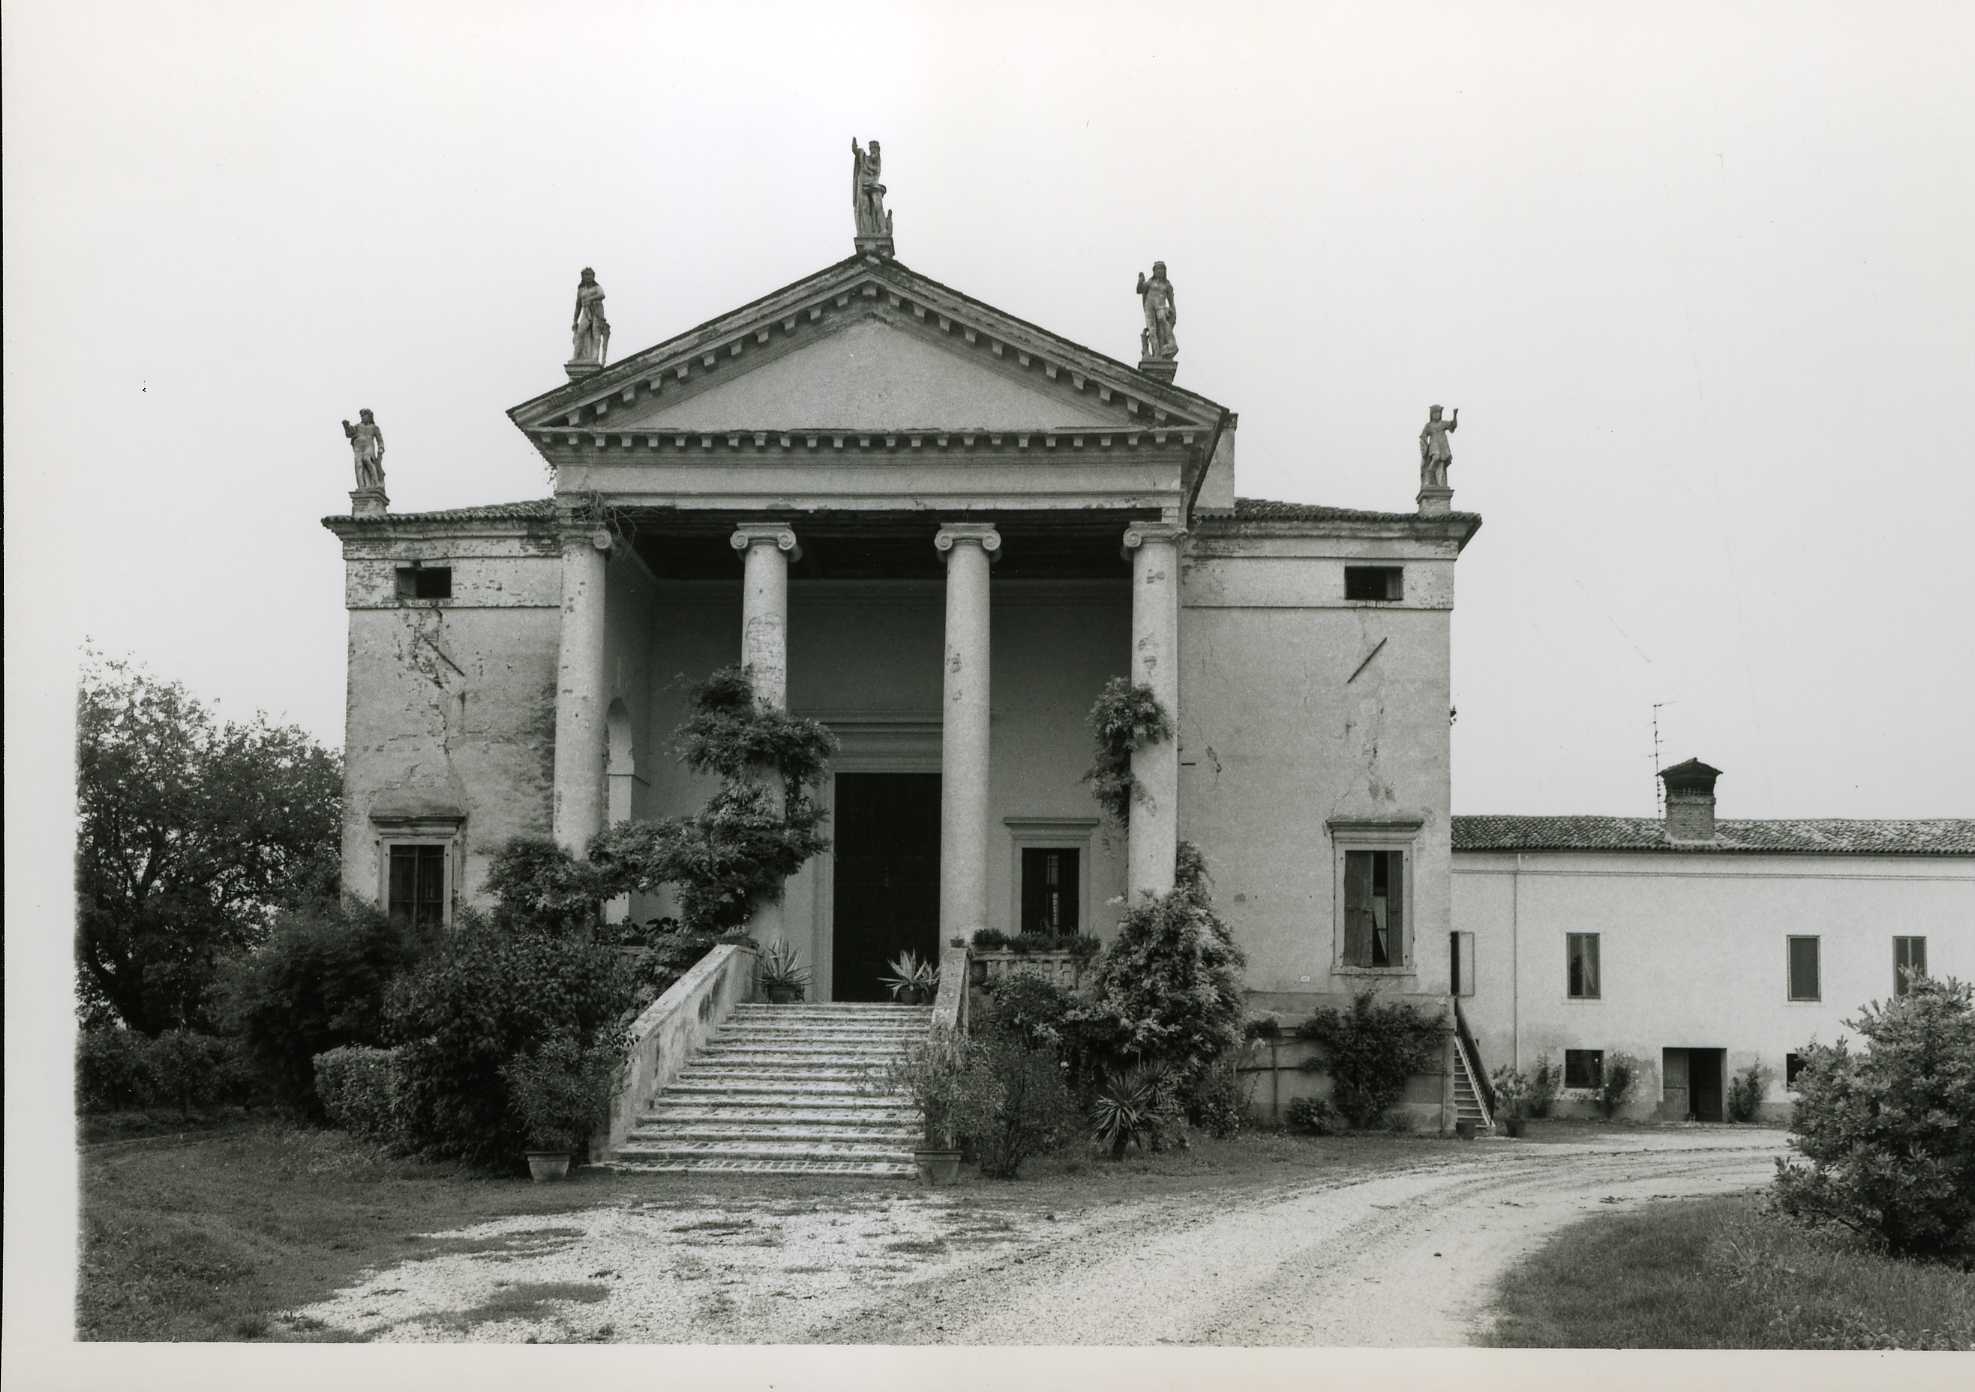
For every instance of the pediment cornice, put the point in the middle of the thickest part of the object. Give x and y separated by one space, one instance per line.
605 406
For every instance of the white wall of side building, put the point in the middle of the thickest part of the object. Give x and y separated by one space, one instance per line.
1693 951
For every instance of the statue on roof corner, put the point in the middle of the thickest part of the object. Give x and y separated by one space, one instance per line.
1435 453
367 445
589 328
1156 342
867 194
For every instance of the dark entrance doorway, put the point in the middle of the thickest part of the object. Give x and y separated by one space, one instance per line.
886 897
1692 1084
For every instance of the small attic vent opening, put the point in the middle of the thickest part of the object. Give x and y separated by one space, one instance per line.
425 582
1374 582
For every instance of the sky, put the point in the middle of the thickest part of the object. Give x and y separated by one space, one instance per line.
1701 279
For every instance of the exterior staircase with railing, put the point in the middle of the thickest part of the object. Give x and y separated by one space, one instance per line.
1474 1099
787 1089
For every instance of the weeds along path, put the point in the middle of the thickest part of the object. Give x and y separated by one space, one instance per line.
1405 1259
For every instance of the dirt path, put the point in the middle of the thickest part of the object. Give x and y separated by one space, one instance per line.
1403 1256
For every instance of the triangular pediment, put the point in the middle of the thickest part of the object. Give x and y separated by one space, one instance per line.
866 345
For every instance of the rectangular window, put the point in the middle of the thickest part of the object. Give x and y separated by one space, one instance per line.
1051 892
1793 1064
1374 908
1909 960
1460 963
1582 950
1374 582
1803 970
417 895
1584 1068
425 582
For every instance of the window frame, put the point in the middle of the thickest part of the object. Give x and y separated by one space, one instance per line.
1793 1064
1790 969
1597 1057
1597 968
1900 986
406 578
1400 836
1394 577
1461 962
447 832
1051 834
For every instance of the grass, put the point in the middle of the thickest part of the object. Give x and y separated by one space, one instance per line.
1725 1273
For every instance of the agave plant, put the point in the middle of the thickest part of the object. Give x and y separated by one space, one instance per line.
912 978
1130 1107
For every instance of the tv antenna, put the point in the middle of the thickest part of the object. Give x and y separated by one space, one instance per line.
1659 789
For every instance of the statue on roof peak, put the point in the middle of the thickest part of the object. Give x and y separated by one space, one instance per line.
1156 342
588 327
1435 453
867 193
367 447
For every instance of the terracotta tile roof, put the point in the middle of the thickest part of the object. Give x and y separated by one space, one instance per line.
1269 510
1809 835
530 510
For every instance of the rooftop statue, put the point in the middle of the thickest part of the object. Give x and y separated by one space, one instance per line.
1435 453
590 329
867 194
1156 343
367 445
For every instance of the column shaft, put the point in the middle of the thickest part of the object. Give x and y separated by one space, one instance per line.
1154 835
765 555
964 737
580 693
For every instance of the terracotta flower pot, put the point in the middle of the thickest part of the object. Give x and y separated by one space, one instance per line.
1513 1125
937 1167
1464 1128
547 1165
784 995
915 995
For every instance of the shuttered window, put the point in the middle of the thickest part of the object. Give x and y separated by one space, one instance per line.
1584 1068
1909 959
418 885
1374 908
1051 897
1804 985
1582 950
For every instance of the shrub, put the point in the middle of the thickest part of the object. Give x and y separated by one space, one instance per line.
1168 988
1546 1080
1615 1083
357 1086
486 995
1745 1092
1887 1135
1034 1112
319 983
560 1093
1221 1099
1123 719
534 880
120 1070
1371 1050
1315 1115
949 1077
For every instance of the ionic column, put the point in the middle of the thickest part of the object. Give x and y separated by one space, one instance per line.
580 691
969 548
766 550
1154 832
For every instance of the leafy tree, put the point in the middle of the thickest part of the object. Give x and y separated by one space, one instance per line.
193 831
1887 1135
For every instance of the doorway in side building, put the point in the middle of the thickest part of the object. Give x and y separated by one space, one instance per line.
1692 1084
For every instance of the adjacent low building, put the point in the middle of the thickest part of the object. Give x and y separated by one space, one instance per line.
1694 944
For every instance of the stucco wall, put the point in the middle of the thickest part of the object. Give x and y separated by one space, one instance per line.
450 702
1692 950
1292 714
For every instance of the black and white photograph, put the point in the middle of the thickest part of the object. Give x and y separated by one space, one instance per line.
943 695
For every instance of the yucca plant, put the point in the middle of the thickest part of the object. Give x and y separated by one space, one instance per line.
913 979
1131 1107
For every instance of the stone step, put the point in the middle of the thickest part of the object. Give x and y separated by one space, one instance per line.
799 1049
794 1075
836 1112
901 1035
922 1012
889 1135
753 1149
795 1091
848 1169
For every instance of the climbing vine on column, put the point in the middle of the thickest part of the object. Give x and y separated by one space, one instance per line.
1125 717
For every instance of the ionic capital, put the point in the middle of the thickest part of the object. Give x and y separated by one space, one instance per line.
1141 533
982 532
580 537
774 534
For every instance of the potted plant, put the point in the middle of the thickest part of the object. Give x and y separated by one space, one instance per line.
1512 1092
783 976
948 1077
914 981
560 1092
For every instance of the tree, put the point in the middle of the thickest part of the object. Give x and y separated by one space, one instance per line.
1887 1135
192 833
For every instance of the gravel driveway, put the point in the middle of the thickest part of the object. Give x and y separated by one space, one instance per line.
1404 1255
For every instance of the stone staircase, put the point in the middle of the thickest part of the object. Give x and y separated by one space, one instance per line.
787 1089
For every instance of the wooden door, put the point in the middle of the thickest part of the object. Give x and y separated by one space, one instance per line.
886 827
1704 1083
1674 1100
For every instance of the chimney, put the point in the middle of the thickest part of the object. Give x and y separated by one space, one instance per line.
1690 801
